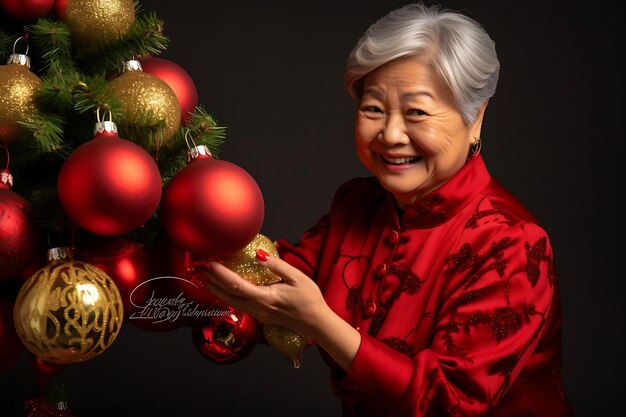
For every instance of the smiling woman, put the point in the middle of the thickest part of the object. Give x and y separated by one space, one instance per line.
429 288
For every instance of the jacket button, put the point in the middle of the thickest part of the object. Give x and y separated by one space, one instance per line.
381 270
393 237
369 308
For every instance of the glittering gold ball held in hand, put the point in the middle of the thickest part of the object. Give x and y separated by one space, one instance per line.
245 264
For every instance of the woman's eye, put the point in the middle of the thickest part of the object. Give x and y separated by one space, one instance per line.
372 109
416 112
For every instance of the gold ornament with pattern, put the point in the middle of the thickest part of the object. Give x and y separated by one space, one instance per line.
68 311
289 342
19 86
96 23
146 100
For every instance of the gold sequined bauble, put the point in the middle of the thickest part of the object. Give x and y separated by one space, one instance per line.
96 23
289 342
18 88
68 311
245 263
146 100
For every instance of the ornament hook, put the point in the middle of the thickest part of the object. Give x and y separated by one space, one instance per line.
187 138
24 38
98 115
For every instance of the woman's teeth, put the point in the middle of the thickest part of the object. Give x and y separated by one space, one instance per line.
400 161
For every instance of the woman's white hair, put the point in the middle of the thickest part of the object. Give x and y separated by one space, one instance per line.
457 47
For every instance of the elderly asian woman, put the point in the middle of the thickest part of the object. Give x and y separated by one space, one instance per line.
429 289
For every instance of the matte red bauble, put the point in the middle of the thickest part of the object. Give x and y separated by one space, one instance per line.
126 262
108 185
19 235
225 339
26 10
212 207
11 348
178 80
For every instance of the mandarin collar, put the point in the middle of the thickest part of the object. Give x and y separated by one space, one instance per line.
445 202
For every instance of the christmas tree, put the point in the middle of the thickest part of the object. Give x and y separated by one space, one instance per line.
109 177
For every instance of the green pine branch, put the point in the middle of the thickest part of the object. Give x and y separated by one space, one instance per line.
52 39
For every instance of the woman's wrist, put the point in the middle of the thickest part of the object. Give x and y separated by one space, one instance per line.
336 336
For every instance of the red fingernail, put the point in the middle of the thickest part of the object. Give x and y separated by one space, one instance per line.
261 255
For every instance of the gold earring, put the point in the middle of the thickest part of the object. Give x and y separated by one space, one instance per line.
476 146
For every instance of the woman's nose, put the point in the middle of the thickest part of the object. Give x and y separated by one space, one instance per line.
394 132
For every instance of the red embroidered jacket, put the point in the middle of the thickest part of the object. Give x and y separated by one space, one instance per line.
456 300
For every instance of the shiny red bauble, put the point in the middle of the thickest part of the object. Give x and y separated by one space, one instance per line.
108 185
225 339
11 348
178 80
127 263
212 207
19 235
26 10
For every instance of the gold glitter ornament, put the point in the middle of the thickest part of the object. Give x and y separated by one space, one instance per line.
68 311
95 23
146 99
245 263
19 87
289 342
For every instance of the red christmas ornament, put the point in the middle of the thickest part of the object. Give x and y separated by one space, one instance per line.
19 236
11 348
211 207
44 369
126 262
178 80
227 338
26 10
108 185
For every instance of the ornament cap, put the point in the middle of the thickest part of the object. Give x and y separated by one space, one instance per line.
59 253
199 152
6 178
133 65
19 59
105 126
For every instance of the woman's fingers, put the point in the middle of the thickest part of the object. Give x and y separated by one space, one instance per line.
286 272
231 283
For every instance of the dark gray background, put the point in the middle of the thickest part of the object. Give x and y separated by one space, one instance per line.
271 71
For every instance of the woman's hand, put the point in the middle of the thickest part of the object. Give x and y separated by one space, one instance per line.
296 303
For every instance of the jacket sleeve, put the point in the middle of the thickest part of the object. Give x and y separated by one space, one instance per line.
305 254
495 299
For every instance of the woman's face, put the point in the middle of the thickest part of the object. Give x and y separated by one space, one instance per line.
409 132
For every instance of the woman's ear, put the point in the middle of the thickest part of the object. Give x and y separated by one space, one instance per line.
477 125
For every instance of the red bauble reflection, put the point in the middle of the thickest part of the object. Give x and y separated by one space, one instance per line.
179 81
19 236
126 262
26 10
212 207
11 348
44 369
225 339
109 186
